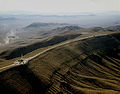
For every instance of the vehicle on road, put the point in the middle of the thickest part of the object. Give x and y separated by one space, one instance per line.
20 61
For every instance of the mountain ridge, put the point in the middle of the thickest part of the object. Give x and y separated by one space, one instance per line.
83 67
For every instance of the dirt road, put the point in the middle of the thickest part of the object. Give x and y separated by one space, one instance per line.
26 60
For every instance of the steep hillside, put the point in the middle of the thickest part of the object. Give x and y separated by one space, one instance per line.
90 66
13 53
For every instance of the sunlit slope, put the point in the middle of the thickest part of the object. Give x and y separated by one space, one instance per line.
13 53
90 66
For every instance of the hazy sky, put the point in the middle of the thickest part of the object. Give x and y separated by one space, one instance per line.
59 6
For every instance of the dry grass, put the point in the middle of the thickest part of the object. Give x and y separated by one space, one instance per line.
89 66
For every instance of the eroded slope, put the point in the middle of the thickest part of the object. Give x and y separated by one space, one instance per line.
89 66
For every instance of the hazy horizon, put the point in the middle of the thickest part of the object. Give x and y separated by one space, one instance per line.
64 7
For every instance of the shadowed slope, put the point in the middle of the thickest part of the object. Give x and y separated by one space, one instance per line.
24 50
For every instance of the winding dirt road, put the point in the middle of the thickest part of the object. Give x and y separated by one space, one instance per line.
26 60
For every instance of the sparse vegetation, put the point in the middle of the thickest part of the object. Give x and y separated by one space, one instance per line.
90 66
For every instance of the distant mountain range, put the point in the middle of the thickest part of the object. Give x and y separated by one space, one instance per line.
67 27
84 19
47 29
7 18
35 25
114 28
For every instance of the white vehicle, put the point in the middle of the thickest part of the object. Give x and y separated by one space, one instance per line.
20 61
